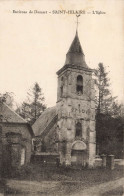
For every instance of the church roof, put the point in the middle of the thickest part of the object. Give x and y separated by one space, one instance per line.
75 55
43 121
9 115
76 46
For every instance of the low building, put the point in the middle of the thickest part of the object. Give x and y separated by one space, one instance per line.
15 138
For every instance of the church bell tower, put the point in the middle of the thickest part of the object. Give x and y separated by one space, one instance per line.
76 109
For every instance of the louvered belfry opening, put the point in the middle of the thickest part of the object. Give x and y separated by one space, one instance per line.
79 84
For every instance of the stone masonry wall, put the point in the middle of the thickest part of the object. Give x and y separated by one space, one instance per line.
26 140
0 150
71 108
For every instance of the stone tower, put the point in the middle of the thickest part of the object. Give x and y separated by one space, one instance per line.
76 109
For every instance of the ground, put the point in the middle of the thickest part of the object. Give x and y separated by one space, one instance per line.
36 180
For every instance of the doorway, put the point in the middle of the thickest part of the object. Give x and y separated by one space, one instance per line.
78 158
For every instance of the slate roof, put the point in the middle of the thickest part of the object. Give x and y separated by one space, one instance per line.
75 46
9 115
75 55
44 120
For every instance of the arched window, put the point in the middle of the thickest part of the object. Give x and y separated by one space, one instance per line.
79 84
78 133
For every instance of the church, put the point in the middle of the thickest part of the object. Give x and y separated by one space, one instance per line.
68 129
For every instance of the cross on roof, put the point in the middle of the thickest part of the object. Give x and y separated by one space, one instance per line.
77 22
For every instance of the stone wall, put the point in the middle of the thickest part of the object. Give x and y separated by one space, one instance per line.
117 162
72 108
0 150
14 138
69 85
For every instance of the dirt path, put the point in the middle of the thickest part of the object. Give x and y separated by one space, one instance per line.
31 188
98 190
54 188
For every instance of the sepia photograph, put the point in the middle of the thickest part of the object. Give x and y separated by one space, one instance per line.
61 98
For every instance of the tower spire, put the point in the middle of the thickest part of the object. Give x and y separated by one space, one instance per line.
77 23
75 55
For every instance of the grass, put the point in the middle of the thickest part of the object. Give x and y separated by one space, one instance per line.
39 172
69 180
2 185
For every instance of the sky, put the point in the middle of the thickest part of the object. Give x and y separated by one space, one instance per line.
33 46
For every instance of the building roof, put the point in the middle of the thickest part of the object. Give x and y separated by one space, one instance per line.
43 121
9 115
76 46
75 55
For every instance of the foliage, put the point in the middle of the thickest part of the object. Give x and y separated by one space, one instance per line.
109 134
116 109
109 118
8 98
104 99
32 108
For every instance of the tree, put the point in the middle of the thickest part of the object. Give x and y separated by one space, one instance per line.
32 108
109 124
116 110
8 98
104 99
109 135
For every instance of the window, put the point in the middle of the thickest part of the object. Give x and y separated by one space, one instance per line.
61 79
61 88
61 91
79 84
78 133
35 145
